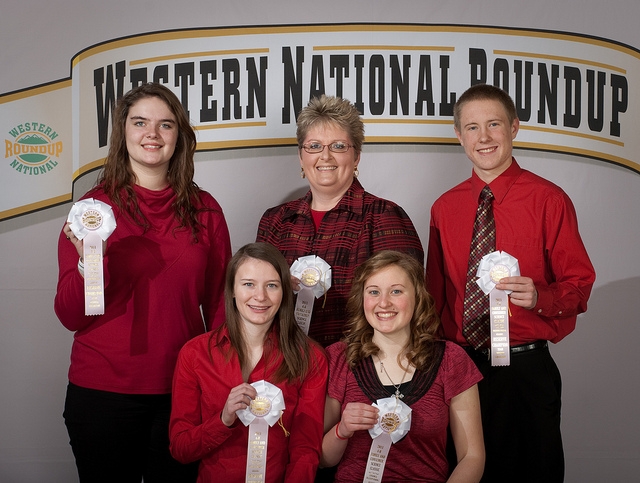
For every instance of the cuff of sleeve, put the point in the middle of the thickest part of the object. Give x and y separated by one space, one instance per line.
215 433
544 305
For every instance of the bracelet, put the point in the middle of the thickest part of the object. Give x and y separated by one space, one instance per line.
338 434
81 266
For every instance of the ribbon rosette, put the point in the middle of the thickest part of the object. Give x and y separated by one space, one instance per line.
91 216
314 273
315 279
395 419
493 267
268 405
92 222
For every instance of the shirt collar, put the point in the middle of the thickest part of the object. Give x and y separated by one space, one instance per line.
352 200
223 336
499 186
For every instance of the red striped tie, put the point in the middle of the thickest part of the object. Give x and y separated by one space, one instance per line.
475 320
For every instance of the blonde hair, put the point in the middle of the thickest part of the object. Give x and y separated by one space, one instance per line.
329 110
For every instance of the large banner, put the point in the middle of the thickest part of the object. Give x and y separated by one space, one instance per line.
242 87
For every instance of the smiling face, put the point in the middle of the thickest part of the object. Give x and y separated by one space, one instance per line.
389 302
257 292
329 174
151 134
487 137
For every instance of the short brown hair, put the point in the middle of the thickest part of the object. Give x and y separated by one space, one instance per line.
329 110
484 92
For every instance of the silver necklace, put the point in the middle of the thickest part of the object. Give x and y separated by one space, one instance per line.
398 394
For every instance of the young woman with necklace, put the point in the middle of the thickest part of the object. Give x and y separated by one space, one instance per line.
392 357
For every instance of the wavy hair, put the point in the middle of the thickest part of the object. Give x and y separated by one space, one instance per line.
118 178
424 325
294 344
484 92
329 110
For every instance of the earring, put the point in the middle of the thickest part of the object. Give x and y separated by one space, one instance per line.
302 175
356 173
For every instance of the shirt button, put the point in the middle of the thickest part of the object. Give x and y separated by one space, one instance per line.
539 311
560 312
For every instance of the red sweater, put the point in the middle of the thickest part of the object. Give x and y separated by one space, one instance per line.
155 285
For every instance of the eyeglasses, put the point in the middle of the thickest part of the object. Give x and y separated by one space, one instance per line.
335 147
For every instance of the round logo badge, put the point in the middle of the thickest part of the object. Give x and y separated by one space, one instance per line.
499 272
260 406
91 219
310 276
389 422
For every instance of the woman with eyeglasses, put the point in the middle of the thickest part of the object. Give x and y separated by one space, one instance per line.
337 220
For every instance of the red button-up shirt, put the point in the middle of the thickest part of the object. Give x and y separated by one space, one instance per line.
535 223
203 379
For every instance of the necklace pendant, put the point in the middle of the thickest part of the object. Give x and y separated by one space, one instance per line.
399 395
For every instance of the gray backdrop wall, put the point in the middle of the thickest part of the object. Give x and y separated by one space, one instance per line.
599 361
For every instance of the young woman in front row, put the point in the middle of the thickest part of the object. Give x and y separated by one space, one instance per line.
392 356
259 363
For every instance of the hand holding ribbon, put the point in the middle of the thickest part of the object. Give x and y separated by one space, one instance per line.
239 398
264 411
494 267
92 222
315 279
393 425
358 417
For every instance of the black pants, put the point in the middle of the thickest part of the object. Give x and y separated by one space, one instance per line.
520 406
122 437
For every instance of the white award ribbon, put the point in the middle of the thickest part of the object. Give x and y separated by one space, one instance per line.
315 279
264 411
492 268
393 424
93 222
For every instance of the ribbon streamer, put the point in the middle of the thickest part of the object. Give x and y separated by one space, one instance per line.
93 222
393 425
315 279
264 411
493 267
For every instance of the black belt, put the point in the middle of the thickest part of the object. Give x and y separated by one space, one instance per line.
516 349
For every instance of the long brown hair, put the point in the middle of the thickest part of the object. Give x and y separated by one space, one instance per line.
118 178
424 325
294 344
